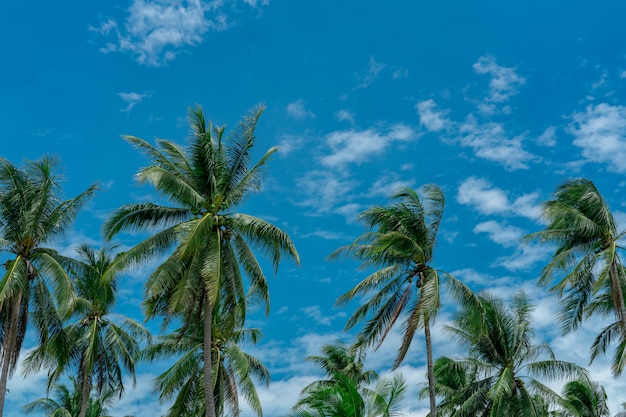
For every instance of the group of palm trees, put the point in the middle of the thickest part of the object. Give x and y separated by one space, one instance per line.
200 294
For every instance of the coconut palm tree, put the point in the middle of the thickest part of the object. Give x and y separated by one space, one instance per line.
400 245
339 358
584 398
344 397
503 372
585 270
345 391
68 402
98 344
32 215
209 246
234 370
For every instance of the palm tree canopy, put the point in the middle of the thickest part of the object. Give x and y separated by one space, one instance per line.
504 370
96 341
206 182
346 390
584 398
400 243
585 269
235 371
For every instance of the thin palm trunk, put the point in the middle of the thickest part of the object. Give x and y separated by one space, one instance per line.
206 355
84 393
618 296
429 365
8 347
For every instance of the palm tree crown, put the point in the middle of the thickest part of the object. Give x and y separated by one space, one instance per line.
32 215
97 344
585 269
501 376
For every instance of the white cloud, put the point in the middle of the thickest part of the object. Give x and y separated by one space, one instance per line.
315 314
324 191
600 131
289 144
253 3
327 235
298 110
490 141
504 80
487 199
345 116
388 185
431 118
399 73
155 31
350 211
131 99
505 235
373 70
547 138
353 146
525 257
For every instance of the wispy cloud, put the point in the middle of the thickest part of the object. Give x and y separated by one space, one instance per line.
288 144
388 185
357 146
600 131
547 138
131 99
502 234
154 32
504 81
298 110
315 314
487 199
490 141
327 235
524 257
431 117
374 68
344 115
324 191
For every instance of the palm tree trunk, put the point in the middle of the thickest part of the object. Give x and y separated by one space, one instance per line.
8 348
618 295
85 390
206 355
429 365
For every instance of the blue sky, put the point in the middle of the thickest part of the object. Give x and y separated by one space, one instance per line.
496 102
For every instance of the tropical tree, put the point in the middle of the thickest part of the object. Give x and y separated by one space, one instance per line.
400 245
339 358
234 370
584 398
32 215
209 246
98 343
345 398
346 390
503 371
585 270
68 402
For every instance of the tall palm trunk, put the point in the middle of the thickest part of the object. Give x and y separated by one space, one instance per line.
429 365
206 355
617 295
85 390
8 348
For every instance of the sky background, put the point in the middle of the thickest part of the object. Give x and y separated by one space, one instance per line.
496 102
